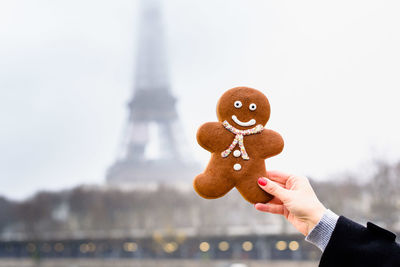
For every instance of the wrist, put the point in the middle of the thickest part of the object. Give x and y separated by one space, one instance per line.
315 217
322 232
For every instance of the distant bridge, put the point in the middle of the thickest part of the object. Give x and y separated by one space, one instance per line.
260 247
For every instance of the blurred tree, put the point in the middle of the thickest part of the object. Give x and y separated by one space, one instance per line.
7 214
342 195
99 210
384 188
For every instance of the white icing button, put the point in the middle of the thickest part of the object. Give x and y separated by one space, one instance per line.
237 167
236 153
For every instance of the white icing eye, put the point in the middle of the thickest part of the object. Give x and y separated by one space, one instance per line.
252 106
237 104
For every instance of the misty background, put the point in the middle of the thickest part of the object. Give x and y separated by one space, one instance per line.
330 70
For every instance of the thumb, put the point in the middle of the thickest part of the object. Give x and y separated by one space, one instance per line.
273 188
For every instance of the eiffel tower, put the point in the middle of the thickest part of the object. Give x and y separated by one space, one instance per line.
153 147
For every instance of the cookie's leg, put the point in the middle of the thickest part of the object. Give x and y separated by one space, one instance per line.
209 186
250 190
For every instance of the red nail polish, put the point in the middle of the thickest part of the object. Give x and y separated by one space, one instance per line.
262 181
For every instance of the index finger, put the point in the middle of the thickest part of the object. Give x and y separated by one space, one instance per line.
278 176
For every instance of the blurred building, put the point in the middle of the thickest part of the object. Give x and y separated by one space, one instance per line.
153 149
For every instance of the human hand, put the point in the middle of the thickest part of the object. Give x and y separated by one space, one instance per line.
294 198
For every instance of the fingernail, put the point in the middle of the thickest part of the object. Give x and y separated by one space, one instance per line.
262 181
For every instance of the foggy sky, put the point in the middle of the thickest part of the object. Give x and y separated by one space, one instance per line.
329 69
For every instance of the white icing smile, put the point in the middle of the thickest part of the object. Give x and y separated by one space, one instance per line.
244 124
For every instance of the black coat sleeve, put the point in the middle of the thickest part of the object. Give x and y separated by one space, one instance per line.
352 244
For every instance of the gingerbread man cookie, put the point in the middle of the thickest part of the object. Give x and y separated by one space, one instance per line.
239 145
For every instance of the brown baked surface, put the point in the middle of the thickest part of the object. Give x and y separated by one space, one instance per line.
220 177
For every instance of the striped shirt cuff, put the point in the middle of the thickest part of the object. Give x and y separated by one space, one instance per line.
322 232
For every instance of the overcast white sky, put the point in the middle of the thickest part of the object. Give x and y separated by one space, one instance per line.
330 69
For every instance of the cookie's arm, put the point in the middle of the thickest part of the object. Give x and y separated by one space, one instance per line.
271 145
210 136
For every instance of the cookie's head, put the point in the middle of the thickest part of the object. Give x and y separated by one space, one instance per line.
243 108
